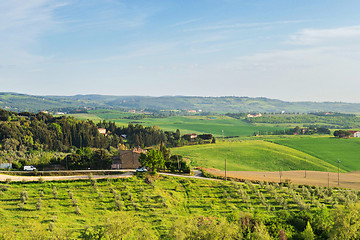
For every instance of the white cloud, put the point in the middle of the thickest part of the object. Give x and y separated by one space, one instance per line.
321 36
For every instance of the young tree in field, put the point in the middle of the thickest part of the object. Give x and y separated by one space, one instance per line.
153 159
308 233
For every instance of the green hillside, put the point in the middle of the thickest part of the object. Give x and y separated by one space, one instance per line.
251 155
328 149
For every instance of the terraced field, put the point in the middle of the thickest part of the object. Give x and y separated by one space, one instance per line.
160 207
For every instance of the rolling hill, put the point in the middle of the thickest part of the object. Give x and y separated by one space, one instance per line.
23 102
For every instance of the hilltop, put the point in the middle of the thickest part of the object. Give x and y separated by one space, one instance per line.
23 102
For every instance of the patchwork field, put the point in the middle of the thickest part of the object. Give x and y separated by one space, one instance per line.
251 155
165 207
190 124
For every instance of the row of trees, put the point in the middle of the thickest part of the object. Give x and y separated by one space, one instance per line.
298 131
337 121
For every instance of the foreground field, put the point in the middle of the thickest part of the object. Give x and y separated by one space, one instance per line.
172 208
251 155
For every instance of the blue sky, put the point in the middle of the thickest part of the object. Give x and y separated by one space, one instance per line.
283 49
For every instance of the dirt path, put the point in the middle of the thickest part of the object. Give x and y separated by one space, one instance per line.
347 180
198 175
57 178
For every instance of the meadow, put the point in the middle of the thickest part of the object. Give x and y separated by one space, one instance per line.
216 125
158 207
329 149
251 155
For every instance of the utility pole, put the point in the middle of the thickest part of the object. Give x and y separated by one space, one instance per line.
280 171
328 179
264 166
305 167
178 162
338 172
225 170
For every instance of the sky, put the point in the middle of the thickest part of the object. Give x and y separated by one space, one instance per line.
290 50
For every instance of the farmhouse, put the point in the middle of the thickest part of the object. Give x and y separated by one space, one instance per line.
354 133
127 159
102 131
254 116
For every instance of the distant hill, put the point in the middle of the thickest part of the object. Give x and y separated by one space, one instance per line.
23 102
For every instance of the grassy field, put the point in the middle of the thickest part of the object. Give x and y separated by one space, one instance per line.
328 149
231 127
164 207
251 155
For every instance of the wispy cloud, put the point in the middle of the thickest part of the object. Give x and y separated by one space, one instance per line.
21 24
186 22
319 36
226 26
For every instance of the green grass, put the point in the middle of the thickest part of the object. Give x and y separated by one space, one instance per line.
157 206
190 124
107 114
231 127
251 155
328 149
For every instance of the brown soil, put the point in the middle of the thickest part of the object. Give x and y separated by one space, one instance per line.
347 180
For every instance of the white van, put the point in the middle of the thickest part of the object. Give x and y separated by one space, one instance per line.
29 168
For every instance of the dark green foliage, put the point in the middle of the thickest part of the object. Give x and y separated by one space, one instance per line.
347 121
342 134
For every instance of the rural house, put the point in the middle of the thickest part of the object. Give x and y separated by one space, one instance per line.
102 131
354 133
254 115
127 159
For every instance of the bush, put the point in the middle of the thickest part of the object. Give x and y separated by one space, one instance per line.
38 204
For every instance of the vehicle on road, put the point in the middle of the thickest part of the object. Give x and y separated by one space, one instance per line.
29 168
141 169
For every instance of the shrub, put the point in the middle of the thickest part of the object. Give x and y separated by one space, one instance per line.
24 196
21 205
71 194
38 204
41 180
55 193
118 204
77 210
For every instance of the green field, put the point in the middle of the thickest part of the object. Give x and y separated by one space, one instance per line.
163 208
190 124
329 149
251 155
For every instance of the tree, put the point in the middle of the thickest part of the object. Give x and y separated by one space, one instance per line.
308 233
153 159
342 134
